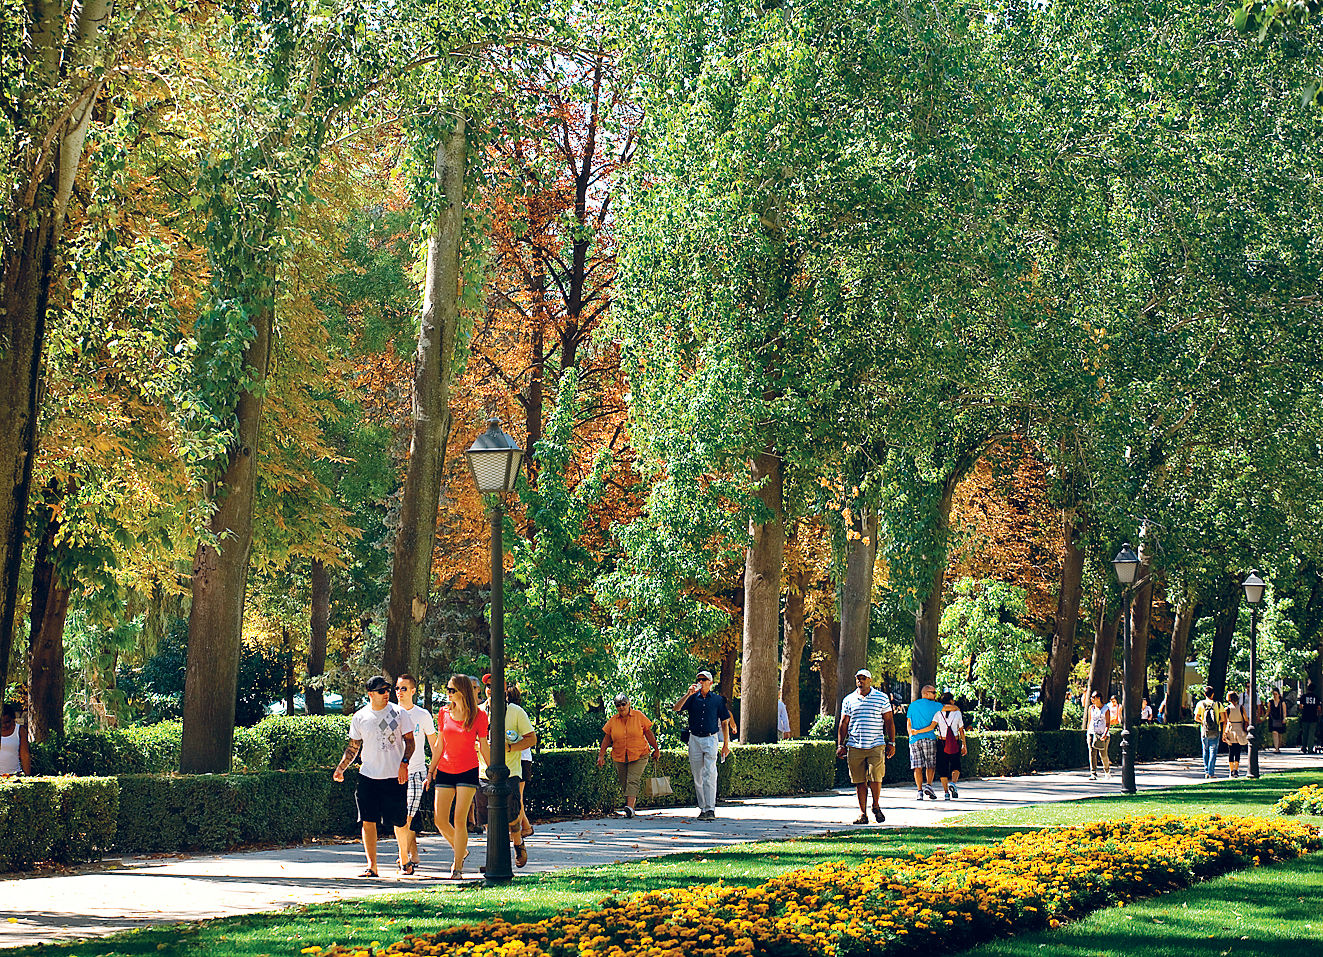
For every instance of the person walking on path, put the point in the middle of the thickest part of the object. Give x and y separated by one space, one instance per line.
1277 719
1113 712
708 716
1309 713
866 737
1208 715
406 686
1097 736
454 767
381 735
951 746
922 721
1234 730
629 736
516 736
15 757
514 696
782 720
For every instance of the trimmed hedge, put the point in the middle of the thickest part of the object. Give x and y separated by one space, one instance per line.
56 819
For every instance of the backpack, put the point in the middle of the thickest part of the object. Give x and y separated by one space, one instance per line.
1210 721
952 743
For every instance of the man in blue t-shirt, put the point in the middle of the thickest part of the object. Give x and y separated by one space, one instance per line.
922 719
708 717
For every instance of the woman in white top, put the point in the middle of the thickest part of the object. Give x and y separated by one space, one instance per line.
1096 724
951 746
15 758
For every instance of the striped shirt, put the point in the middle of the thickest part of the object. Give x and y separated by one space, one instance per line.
867 729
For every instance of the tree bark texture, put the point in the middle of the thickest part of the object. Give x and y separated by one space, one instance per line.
1104 652
45 172
923 657
1180 643
759 678
1056 683
825 650
220 578
856 599
50 608
319 624
793 640
1141 612
411 569
1224 632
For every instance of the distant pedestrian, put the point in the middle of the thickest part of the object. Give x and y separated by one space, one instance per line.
1277 719
1113 712
1208 716
1146 712
951 745
1097 737
866 737
1162 711
922 721
782 720
15 758
708 717
630 737
454 767
381 735
1235 724
1309 715
424 729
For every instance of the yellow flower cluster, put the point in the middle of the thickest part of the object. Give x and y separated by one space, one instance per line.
1305 800
945 900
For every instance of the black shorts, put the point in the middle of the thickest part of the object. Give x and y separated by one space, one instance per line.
464 779
382 801
946 763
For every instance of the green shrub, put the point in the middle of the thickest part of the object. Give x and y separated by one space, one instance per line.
157 746
88 814
56 819
304 742
29 821
823 728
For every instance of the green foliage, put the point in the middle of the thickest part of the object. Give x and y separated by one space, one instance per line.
56 819
984 643
1305 800
823 728
304 742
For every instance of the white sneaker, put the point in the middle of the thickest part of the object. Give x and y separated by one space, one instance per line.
955 793
1093 776
927 789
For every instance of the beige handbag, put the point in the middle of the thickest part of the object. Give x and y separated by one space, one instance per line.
659 787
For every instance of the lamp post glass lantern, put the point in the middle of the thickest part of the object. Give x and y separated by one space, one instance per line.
494 460
1126 564
1253 586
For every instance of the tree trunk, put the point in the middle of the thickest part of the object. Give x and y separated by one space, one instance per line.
1180 642
411 570
1104 652
1056 683
730 655
50 608
220 578
825 648
41 190
319 624
856 599
1141 612
1228 610
759 682
792 647
923 657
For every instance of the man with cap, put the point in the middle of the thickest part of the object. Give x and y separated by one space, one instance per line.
707 718
866 737
629 736
382 733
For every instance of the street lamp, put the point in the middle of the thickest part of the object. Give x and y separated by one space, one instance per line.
494 460
1254 595
1126 564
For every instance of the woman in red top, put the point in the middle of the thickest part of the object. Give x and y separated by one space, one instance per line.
454 768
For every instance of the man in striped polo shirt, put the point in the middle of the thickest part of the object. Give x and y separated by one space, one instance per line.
867 725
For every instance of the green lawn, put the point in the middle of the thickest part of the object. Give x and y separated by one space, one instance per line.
1241 796
1275 911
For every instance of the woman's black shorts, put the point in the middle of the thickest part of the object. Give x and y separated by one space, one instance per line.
464 779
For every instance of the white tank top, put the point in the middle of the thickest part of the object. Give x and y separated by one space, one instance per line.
9 762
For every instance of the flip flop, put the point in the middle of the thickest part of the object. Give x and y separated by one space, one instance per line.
409 867
369 872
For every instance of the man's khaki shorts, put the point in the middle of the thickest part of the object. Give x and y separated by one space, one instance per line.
867 764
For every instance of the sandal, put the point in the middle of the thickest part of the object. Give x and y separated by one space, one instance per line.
456 875
521 855
408 868
369 872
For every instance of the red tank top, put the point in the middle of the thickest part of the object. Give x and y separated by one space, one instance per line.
459 744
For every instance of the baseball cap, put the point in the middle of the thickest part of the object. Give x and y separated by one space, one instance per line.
705 674
863 673
378 683
486 679
622 698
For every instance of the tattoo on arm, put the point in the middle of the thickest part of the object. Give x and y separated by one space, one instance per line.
351 752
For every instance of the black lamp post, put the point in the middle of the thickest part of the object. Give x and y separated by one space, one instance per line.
494 460
1126 564
1254 595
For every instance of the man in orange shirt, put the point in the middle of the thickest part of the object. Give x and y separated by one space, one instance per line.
629 736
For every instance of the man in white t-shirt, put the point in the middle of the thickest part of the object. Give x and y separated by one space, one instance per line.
782 720
381 735
406 686
867 724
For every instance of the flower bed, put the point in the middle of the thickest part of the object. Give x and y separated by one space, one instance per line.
1305 800
947 900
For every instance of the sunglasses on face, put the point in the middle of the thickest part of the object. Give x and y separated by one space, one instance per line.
452 689
401 687
380 691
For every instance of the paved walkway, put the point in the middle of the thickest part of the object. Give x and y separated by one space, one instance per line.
121 894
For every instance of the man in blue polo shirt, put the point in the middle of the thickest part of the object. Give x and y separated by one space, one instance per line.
922 717
707 719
